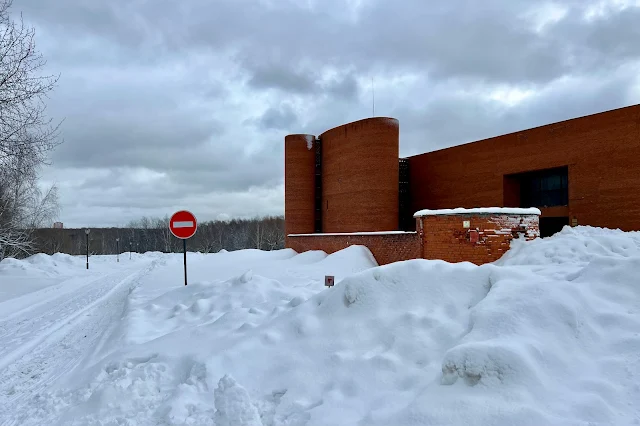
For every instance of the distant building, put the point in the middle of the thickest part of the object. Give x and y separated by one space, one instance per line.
58 225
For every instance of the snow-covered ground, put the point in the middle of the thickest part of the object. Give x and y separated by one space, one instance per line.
548 335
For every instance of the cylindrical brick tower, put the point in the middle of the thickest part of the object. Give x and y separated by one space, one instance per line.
299 183
360 176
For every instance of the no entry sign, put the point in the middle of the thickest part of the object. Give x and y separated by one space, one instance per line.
183 224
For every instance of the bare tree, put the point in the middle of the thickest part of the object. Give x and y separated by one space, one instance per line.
15 242
166 237
273 233
26 135
37 207
257 233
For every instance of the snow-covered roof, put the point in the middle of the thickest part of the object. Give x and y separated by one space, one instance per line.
479 210
352 233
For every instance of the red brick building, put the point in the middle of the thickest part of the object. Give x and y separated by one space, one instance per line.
350 179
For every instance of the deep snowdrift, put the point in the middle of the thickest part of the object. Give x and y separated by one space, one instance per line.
547 336
38 265
573 246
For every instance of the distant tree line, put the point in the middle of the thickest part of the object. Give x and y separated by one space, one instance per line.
152 234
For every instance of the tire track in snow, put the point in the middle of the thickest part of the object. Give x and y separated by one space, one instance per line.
37 300
17 334
67 333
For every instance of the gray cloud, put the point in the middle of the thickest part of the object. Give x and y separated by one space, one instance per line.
456 119
344 86
186 103
281 117
279 76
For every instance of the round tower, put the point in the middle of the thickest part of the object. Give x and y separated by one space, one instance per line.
360 176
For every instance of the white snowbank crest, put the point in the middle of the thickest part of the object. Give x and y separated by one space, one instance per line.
479 210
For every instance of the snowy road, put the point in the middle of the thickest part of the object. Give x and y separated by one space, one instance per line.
48 339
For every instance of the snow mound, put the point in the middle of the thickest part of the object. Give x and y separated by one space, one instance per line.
12 265
62 258
300 359
228 304
39 264
40 259
559 351
50 262
483 344
577 245
356 256
234 407
314 265
143 390
311 256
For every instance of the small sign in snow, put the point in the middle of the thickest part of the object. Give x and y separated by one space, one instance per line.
329 280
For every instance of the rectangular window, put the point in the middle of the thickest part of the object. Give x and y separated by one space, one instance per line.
545 188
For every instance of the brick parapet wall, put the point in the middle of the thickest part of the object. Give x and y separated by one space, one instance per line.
386 248
488 237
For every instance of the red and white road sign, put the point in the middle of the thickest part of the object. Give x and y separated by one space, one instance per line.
183 224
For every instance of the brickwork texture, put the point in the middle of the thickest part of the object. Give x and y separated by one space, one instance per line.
486 240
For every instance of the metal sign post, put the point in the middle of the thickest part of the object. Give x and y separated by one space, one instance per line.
87 231
184 250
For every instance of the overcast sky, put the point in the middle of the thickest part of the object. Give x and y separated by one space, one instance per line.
173 104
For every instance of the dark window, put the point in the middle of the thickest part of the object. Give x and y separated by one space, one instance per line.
406 222
546 188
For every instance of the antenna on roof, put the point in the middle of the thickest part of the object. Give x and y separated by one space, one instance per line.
373 99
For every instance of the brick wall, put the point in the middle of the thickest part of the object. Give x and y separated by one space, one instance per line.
386 248
486 240
601 151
